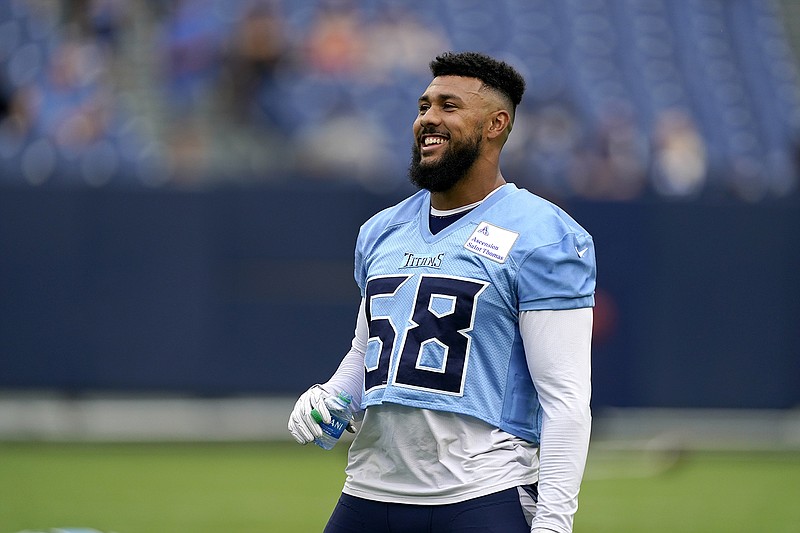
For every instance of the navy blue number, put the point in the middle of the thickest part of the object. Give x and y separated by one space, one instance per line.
381 329
443 316
445 329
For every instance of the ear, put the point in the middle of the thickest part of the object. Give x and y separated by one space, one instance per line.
500 124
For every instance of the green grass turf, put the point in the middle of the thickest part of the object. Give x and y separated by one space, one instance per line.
170 488
700 493
264 488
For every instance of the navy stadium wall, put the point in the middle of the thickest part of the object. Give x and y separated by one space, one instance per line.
250 291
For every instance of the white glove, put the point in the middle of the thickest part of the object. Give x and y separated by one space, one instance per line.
302 427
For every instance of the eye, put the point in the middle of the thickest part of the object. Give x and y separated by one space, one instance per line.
449 106
423 108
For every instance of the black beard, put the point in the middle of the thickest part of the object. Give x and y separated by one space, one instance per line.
452 166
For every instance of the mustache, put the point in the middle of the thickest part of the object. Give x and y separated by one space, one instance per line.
430 130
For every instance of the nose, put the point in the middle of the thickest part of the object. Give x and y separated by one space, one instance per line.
429 118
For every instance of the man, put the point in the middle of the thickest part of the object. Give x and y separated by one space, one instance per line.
471 356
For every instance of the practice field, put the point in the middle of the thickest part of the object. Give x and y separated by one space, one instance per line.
286 488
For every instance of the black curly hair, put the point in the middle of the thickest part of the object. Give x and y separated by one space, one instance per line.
495 74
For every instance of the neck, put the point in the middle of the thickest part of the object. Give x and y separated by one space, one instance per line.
469 190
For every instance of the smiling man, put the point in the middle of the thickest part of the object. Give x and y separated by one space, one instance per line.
471 355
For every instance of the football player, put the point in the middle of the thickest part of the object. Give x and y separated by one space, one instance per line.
471 355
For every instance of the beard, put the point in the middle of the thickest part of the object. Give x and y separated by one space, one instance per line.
454 162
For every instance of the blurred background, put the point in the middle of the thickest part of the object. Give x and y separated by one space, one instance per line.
182 182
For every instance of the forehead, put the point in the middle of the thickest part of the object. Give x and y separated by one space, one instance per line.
458 86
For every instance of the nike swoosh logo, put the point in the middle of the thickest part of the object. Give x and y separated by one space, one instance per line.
581 252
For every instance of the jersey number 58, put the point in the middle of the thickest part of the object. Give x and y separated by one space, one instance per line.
441 318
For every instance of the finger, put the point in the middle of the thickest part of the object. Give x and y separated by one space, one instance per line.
310 403
297 433
312 425
306 431
294 429
298 437
323 411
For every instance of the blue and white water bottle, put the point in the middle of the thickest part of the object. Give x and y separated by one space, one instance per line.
341 415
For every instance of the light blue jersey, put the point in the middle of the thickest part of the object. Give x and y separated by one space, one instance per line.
443 310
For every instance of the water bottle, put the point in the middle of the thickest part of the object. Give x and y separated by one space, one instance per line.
341 416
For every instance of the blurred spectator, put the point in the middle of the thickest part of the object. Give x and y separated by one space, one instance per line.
16 122
106 19
347 145
191 44
189 151
335 45
257 47
102 20
679 155
548 142
614 164
399 43
6 93
748 178
76 100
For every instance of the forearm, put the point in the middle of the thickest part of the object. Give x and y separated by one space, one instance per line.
563 451
349 376
558 349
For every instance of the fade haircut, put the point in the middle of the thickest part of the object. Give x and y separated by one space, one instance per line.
494 74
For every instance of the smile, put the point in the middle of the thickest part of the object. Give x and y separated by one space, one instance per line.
430 143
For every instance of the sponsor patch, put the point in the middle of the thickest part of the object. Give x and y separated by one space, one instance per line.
492 242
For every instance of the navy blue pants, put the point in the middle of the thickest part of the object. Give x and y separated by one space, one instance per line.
495 513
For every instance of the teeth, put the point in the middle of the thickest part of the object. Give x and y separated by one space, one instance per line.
433 140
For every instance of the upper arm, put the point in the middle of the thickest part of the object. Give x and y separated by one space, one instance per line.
558 351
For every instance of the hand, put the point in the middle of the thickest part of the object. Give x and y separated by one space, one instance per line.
301 425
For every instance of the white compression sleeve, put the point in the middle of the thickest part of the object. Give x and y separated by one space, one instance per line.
558 350
349 377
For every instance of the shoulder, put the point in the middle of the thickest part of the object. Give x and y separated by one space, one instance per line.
538 221
554 254
398 214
